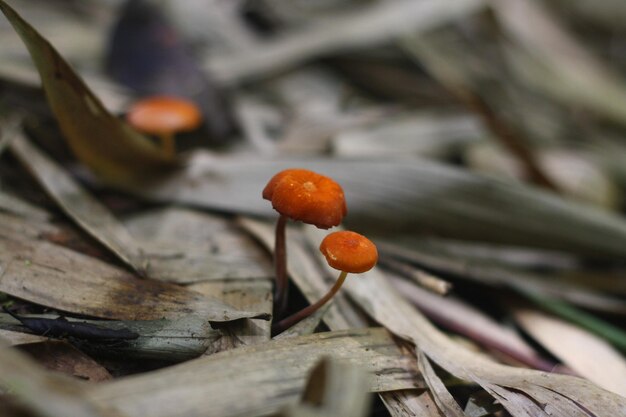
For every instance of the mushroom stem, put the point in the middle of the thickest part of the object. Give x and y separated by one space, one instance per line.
167 143
286 323
280 265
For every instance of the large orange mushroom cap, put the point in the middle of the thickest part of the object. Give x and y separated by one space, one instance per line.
349 251
164 115
304 195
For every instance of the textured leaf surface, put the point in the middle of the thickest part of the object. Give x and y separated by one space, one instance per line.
257 380
101 141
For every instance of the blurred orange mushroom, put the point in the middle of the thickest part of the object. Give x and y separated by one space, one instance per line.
164 116
305 196
349 252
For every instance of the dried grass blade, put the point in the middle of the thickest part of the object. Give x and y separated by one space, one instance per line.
48 394
383 194
259 379
444 400
252 295
171 340
410 404
367 26
464 319
79 205
56 277
557 64
376 296
187 246
585 353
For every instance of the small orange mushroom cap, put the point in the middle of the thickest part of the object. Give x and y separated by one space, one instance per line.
307 196
349 251
164 115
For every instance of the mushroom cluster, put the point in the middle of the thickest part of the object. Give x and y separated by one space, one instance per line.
306 196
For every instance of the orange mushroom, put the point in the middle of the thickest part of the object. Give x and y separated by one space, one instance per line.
306 196
164 116
346 251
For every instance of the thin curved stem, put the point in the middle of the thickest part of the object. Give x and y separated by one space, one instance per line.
280 265
286 323
167 144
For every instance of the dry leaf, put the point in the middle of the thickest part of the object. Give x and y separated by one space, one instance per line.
56 277
50 395
62 357
252 295
410 404
370 25
172 340
81 206
551 60
256 380
442 397
464 319
587 354
101 141
402 197
187 246
563 395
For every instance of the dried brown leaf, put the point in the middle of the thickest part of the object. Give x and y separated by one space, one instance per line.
81 206
101 141
587 354
56 277
563 394
188 246
62 357
48 394
259 379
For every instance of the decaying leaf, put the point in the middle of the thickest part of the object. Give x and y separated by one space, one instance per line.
257 380
50 395
63 357
56 277
375 24
561 395
584 352
442 397
557 64
102 142
189 246
171 340
410 404
81 206
460 317
403 196
450 262
249 295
